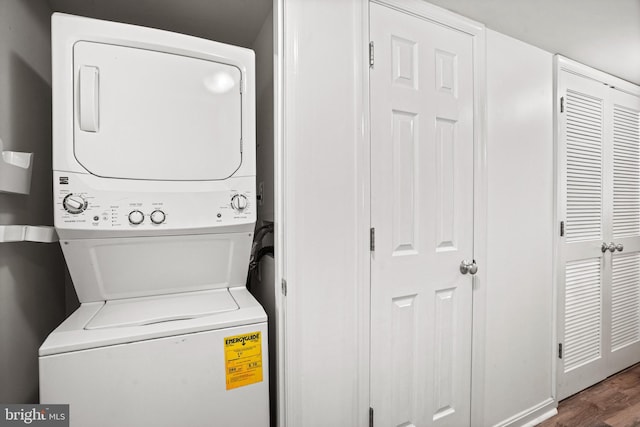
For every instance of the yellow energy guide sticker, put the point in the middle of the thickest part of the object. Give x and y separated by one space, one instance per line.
243 359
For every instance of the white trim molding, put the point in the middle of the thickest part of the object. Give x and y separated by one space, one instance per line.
571 66
322 215
278 206
532 416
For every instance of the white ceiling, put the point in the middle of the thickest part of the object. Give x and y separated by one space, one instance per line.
229 21
604 34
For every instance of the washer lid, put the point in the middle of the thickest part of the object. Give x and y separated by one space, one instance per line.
144 114
165 308
73 335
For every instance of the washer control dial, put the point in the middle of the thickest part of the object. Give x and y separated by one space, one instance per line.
136 217
74 203
239 202
158 217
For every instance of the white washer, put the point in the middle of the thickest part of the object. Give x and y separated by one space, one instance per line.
154 194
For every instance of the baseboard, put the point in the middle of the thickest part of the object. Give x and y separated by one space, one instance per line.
532 416
550 413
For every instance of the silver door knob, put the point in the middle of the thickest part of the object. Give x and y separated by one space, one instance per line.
468 267
610 247
619 247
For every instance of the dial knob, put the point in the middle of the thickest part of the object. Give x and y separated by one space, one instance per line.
74 203
157 216
136 217
239 202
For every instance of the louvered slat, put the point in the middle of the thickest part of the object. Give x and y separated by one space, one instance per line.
626 172
584 167
583 313
625 300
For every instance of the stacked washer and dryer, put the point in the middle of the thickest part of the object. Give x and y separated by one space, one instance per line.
154 194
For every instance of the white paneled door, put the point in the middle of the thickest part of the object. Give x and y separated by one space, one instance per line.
422 213
599 292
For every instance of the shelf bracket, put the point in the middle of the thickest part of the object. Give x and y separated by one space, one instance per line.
27 233
15 171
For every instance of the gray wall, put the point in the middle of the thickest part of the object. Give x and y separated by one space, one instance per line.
31 274
263 47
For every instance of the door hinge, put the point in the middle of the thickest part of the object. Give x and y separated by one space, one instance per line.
371 57
561 228
370 417
562 104
559 350
372 239
284 287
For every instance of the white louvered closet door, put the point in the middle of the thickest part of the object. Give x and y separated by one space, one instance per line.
625 265
599 292
583 182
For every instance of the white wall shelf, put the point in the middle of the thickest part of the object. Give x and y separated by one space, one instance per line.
15 171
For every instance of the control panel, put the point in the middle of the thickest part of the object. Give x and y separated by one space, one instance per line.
81 205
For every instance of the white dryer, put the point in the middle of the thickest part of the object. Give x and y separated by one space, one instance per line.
154 204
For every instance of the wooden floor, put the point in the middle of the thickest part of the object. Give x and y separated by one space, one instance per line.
615 402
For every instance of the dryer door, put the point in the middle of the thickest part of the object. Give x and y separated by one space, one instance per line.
143 114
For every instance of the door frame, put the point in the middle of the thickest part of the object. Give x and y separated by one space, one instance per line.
564 64
287 352
287 316
476 30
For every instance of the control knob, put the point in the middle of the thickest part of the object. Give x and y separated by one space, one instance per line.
239 202
74 203
136 217
157 216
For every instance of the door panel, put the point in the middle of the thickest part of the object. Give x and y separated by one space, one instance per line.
142 114
422 211
583 183
583 313
584 136
625 300
599 155
626 173
625 285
